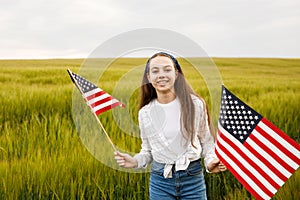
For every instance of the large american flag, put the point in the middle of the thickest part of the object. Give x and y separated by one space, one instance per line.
98 100
256 152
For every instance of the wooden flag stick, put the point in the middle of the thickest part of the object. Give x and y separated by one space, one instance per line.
106 134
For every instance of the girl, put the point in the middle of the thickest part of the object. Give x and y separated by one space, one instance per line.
175 131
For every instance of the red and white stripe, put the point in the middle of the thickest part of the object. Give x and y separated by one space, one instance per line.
264 162
100 101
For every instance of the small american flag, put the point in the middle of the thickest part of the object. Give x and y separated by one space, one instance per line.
98 100
256 152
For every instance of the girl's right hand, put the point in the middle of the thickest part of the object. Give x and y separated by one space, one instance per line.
125 160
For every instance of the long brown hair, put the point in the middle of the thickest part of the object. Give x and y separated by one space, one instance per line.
183 92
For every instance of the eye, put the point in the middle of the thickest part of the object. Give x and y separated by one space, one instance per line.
168 69
154 71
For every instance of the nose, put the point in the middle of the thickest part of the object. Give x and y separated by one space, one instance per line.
161 75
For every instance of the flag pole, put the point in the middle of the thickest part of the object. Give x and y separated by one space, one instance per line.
106 134
98 120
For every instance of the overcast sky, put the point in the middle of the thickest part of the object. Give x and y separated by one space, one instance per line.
74 28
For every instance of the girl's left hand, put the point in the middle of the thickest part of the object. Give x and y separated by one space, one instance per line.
216 166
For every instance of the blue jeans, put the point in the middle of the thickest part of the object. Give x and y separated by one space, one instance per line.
184 184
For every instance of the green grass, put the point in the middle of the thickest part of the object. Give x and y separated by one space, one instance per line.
42 155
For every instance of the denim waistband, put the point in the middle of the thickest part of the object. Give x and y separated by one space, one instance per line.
162 165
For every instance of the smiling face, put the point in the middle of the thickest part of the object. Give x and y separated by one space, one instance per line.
162 74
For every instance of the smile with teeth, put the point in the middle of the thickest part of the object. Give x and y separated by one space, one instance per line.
162 81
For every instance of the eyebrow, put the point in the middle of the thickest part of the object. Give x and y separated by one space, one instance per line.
165 66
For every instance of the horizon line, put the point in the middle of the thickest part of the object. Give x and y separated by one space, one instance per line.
142 57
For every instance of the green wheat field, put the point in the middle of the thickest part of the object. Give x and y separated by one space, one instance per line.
43 157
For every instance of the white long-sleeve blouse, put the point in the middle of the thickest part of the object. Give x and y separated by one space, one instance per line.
181 152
